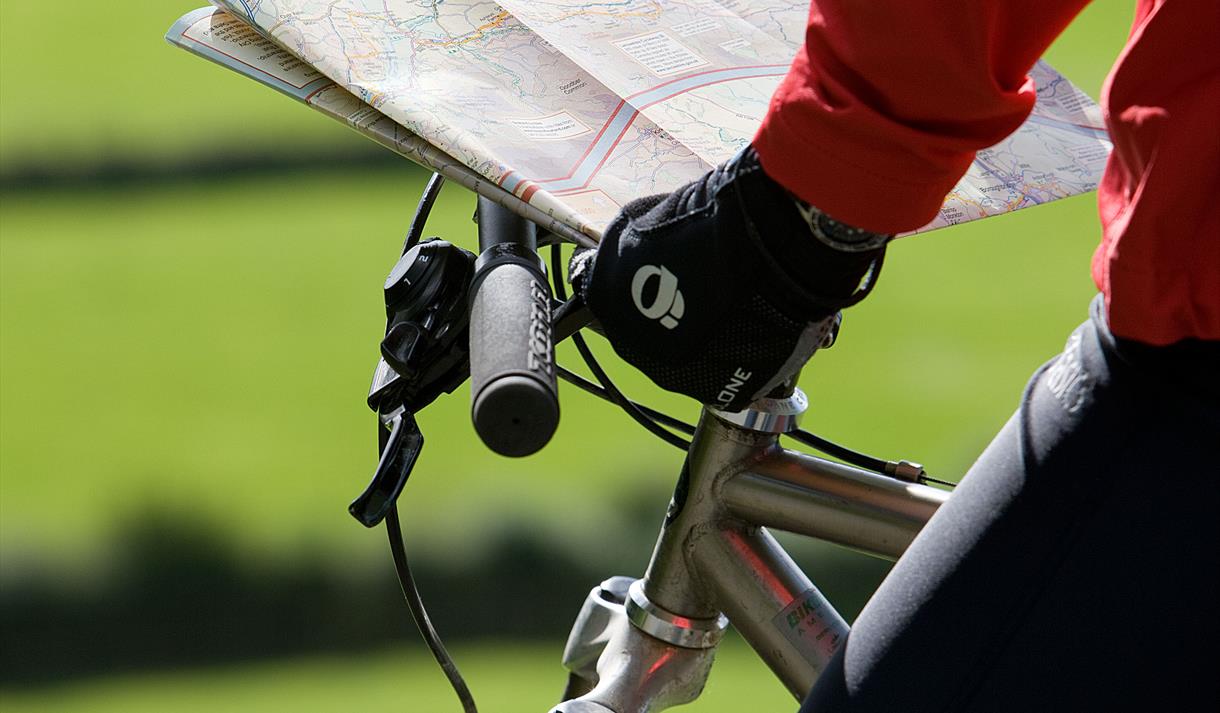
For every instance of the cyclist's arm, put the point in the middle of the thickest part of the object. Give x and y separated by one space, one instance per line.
888 101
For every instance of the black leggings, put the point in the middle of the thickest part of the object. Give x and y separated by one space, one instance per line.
1075 567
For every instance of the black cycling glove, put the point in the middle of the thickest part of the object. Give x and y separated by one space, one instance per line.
724 288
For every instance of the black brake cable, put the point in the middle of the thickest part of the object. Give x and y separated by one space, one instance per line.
587 386
925 478
422 211
888 468
612 392
652 419
843 453
420 614
827 447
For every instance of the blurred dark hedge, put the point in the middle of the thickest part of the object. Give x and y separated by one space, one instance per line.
182 594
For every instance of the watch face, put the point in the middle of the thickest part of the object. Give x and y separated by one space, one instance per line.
843 236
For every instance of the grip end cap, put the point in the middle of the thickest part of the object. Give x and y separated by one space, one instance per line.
515 415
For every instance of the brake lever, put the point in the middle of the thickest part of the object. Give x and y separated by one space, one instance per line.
400 450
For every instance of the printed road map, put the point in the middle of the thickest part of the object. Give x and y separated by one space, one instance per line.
574 108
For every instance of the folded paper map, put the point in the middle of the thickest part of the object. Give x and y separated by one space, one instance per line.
564 110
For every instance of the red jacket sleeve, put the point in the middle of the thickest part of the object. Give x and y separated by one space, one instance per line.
888 101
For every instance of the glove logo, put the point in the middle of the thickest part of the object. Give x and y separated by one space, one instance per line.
667 304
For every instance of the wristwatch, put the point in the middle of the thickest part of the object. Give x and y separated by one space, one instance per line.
836 234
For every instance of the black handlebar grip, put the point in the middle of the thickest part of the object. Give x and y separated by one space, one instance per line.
514 397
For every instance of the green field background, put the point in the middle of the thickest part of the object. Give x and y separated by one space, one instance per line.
196 346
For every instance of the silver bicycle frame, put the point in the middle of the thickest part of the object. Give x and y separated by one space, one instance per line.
654 638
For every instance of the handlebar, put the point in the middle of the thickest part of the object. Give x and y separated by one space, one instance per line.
514 396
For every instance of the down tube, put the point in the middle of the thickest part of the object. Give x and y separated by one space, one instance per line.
791 625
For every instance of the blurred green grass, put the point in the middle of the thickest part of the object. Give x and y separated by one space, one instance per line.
504 677
96 82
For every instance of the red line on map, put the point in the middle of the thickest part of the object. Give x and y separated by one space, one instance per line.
610 151
636 111
631 121
605 125
623 102
699 74
667 97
